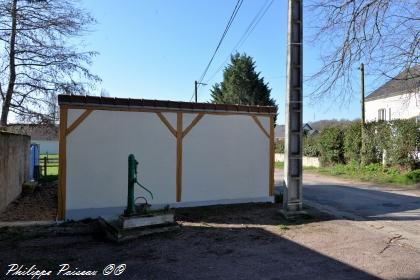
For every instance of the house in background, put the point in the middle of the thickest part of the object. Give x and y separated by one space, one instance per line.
46 136
307 130
399 98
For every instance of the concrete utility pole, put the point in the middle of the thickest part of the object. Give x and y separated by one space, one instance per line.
196 89
293 196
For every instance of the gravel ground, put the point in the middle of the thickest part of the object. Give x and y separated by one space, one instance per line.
248 241
40 205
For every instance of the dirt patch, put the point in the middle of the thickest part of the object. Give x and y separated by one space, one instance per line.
40 205
248 241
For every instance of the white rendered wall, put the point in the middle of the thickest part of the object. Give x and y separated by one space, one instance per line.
225 158
402 107
97 152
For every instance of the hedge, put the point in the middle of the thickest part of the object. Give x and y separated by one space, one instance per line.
279 146
352 142
396 142
311 146
331 143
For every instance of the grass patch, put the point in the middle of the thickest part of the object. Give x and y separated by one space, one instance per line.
279 164
373 173
370 173
283 227
52 166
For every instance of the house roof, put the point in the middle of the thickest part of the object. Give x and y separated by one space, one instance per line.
307 127
405 82
36 131
279 131
97 101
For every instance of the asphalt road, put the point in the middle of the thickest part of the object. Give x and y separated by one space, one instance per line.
397 209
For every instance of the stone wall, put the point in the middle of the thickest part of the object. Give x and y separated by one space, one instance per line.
14 165
306 161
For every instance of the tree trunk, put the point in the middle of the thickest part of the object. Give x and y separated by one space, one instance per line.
12 69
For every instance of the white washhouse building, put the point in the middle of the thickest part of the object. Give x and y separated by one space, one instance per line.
189 154
399 98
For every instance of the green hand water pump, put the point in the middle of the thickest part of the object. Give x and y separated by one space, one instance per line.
132 179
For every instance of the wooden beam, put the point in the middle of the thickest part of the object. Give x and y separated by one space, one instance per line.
271 158
78 121
167 123
257 121
178 156
193 123
62 164
165 110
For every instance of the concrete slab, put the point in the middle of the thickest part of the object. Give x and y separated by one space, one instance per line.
144 221
114 230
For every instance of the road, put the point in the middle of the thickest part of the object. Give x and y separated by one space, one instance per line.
392 209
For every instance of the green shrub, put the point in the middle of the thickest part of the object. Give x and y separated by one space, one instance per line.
311 146
372 151
414 176
331 146
398 140
279 146
404 142
352 142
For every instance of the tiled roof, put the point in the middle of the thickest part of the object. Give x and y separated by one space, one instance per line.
405 82
160 104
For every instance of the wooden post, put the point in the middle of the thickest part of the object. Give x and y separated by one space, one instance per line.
195 91
62 164
271 156
45 166
179 157
362 93
362 117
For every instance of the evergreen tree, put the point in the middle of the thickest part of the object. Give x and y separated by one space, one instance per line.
242 84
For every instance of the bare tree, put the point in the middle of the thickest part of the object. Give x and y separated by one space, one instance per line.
40 57
384 34
104 93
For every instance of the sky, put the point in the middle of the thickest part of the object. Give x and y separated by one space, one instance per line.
155 49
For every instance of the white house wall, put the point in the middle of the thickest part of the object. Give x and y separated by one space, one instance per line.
47 146
225 158
402 107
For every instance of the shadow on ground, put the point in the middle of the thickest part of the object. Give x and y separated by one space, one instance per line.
205 253
369 204
247 214
196 251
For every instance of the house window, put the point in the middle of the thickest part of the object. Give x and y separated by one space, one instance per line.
381 115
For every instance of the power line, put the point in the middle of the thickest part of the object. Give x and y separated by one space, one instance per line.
261 13
228 25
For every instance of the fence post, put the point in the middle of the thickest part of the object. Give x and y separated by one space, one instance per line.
45 166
